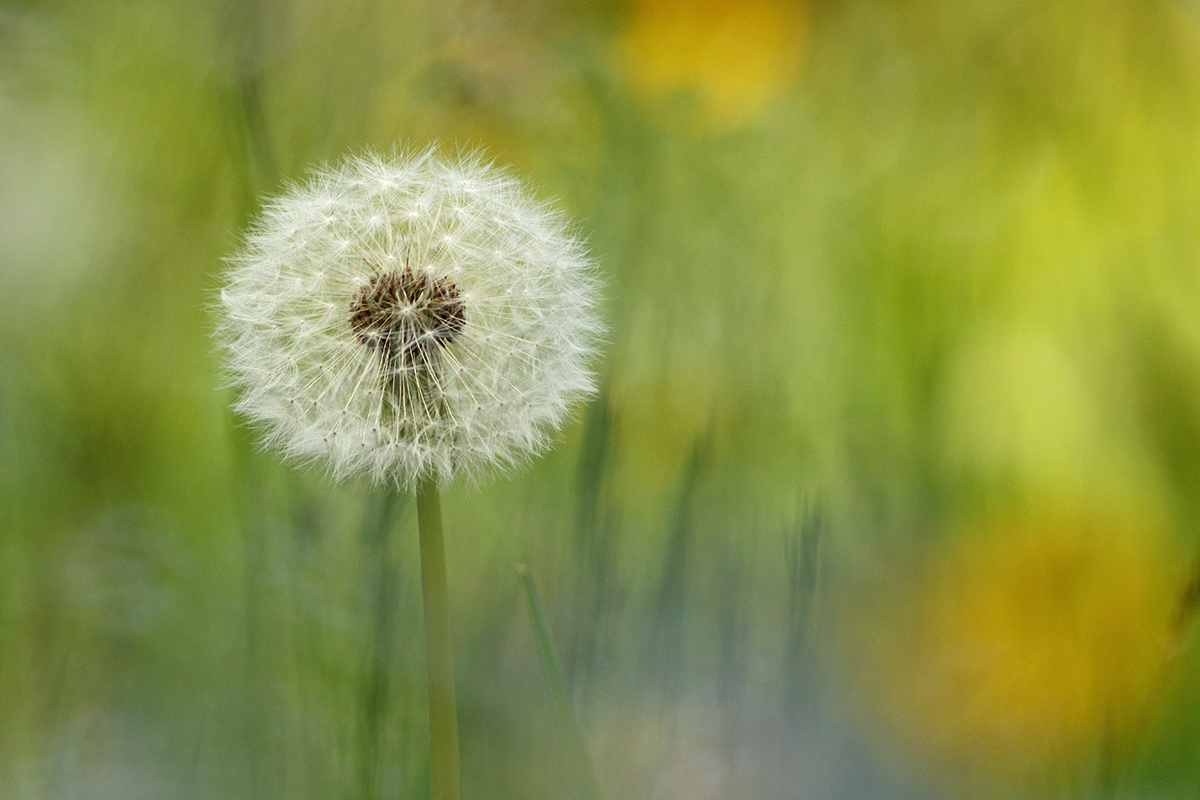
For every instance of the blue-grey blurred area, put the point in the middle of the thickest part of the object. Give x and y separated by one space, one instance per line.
892 489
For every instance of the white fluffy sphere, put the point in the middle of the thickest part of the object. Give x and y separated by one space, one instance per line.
410 317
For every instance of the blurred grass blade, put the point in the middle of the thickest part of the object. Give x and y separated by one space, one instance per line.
583 778
384 576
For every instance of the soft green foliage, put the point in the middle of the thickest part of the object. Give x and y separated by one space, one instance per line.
943 269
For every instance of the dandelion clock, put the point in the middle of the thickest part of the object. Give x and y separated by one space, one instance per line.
409 318
409 321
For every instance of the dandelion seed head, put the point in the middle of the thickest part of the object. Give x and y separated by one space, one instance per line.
402 317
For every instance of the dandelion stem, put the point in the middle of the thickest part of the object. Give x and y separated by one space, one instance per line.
443 718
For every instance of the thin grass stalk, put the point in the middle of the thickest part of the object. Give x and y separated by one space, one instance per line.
384 576
583 776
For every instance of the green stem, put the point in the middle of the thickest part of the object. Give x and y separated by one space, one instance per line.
443 718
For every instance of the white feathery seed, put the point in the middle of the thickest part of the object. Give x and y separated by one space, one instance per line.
410 317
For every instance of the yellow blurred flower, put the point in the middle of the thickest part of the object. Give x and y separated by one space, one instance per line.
1027 650
733 56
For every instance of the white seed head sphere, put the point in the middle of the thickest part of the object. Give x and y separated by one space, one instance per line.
410 317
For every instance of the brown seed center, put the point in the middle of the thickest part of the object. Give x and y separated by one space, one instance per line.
406 314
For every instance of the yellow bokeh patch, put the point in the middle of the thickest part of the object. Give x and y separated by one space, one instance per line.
1028 651
732 56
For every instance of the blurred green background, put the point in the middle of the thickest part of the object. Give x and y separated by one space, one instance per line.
892 490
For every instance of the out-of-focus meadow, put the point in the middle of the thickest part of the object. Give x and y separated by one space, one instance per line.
892 489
